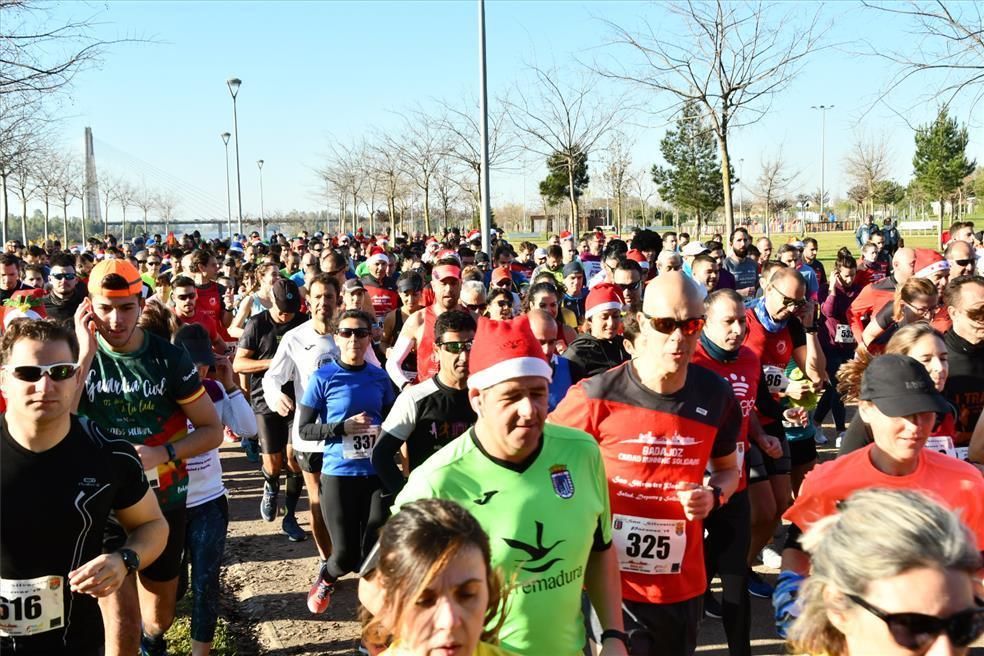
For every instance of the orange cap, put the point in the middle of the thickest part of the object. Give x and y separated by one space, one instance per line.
121 268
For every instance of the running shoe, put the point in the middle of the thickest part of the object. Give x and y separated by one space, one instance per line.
319 596
771 558
758 587
268 505
292 530
840 438
820 438
712 608
152 647
252 449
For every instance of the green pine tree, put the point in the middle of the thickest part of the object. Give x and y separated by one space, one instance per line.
691 180
556 186
940 162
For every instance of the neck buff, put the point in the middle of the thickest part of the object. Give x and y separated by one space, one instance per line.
716 352
770 324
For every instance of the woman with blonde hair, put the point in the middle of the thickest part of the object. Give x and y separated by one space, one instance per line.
439 591
893 574
915 300
922 343
256 300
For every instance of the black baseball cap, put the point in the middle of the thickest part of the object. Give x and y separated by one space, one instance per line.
900 386
286 295
194 338
573 267
353 284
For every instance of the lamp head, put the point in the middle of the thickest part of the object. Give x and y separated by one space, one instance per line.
225 137
234 85
259 163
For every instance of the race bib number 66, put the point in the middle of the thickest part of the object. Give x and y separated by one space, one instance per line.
30 606
649 546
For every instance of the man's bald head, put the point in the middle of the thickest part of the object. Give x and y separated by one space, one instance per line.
903 264
960 251
545 329
673 294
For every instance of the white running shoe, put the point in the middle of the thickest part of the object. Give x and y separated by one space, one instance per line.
771 558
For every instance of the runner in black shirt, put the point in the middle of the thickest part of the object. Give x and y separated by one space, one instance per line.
74 475
429 415
257 347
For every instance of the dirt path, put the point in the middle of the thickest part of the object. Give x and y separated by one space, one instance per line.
266 579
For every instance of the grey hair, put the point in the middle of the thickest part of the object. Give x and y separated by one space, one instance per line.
876 534
473 286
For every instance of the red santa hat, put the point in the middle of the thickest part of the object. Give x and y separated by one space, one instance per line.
566 234
23 304
637 256
449 254
504 350
929 262
474 235
603 296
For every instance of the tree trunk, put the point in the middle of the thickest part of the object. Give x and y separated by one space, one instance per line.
65 226
618 210
46 209
941 213
123 225
355 212
6 209
24 220
146 229
729 210
575 228
427 208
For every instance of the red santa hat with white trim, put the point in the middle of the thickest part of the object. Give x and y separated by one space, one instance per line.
603 296
474 235
504 350
637 256
928 262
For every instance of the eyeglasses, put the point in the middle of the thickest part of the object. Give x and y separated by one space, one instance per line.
186 297
667 325
33 373
504 304
921 311
977 314
916 631
629 286
63 276
963 262
358 333
795 303
476 307
153 263
456 347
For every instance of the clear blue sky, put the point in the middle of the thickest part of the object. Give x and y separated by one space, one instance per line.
314 72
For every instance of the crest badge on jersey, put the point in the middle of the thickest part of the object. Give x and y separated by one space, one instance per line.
563 483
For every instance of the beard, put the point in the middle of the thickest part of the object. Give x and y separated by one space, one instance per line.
740 252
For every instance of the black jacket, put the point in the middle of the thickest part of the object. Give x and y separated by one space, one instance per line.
589 355
965 382
63 309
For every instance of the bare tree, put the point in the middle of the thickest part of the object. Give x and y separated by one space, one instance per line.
773 182
616 172
26 186
166 203
446 188
731 57
126 196
868 162
69 174
642 183
48 173
421 144
563 120
945 55
108 187
145 200
384 159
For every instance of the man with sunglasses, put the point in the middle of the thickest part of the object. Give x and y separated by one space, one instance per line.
899 401
141 388
964 300
627 277
74 475
66 293
661 423
426 417
185 304
961 258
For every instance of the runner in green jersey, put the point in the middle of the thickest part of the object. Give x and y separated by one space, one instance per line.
540 493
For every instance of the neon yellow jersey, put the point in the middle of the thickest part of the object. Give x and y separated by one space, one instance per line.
483 649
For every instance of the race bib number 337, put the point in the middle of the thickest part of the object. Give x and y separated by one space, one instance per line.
649 546
359 445
30 606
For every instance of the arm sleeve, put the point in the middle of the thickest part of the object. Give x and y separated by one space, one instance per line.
309 429
384 462
237 415
281 371
400 421
796 333
394 363
884 316
371 357
603 531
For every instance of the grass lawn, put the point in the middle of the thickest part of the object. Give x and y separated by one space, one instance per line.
179 637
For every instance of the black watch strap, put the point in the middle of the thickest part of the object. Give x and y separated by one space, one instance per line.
130 559
172 455
718 493
615 633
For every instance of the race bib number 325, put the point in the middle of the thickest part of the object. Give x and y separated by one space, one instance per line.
359 445
649 546
30 606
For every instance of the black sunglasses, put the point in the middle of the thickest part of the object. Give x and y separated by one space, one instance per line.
359 333
477 307
917 631
795 303
33 373
63 276
667 325
456 347
628 286
963 262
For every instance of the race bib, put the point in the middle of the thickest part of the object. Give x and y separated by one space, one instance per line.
740 455
942 444
843 335
962 453
775 378
649 546
30 606
153 478
358 446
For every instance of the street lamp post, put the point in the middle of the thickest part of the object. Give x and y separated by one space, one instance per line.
234 85
259 165
225 140
483 99
741 183
823 145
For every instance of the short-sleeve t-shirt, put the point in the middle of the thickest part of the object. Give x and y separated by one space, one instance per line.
955 484
338 392
139 396
427 417
262 335
65 495
744 270
543 519
651 443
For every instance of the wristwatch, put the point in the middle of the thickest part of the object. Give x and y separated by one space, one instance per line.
618 635
172 455
130 559
718 492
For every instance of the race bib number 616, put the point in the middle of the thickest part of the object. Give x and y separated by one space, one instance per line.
30 606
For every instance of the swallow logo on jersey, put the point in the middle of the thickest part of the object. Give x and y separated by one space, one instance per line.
563 483
537 561
486 497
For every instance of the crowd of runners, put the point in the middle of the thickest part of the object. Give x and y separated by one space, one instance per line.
541 450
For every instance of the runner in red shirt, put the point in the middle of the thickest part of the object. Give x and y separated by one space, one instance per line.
185 300
661 423
205 269
900 403
874 296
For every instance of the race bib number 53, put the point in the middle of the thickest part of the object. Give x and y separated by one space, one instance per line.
30 606
649 546
359 445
